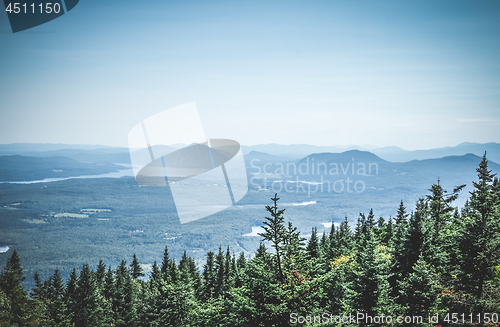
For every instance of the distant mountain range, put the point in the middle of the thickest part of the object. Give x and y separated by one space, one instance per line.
108 154
396 154
382 178
390 153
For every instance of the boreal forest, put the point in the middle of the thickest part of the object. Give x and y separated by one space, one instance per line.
433 264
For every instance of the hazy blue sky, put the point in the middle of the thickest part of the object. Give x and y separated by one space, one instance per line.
416 74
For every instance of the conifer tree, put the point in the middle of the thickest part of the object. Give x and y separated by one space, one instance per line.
380 230
219 268
293 243
398 250
165 265
361 232
241 264
173 272
228 271
109 284
333 243
366 285
324 245
242 261
313 245
136 268
389 232
57 304
151 314
185 275
155 278
415 237
125 297
209 277
72 295
194 275
10 283
345 238
275 232
38 292
440 205
370 220
89 310
437 244
480 240
100 273
416 291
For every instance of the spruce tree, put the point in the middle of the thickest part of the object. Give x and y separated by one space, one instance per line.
293 243
194 275
136 268
361 232
398 250
89 310
416 291
333 243
39 291
313 245
276 233
109 284
415 237
125 298
324 245
242 261
72 295
57 304
366 284
165 265
10 283
345 238
228 271
209 277
219 268
100 273
370 220
185 275
480 240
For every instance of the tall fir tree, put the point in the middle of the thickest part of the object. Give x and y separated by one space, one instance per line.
414 238
276 233
313 245
165 265
416 290
135 268
209 277
124 298
480 240
366 285
89 310
11 280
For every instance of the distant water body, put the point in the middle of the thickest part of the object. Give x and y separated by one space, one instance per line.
4 249
117 174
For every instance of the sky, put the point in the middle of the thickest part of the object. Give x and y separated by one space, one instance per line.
414 74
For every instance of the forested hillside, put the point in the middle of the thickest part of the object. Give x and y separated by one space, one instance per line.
431 259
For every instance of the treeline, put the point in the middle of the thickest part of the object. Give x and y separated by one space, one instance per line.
435 259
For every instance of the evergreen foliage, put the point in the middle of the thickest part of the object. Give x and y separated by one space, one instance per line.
435 259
